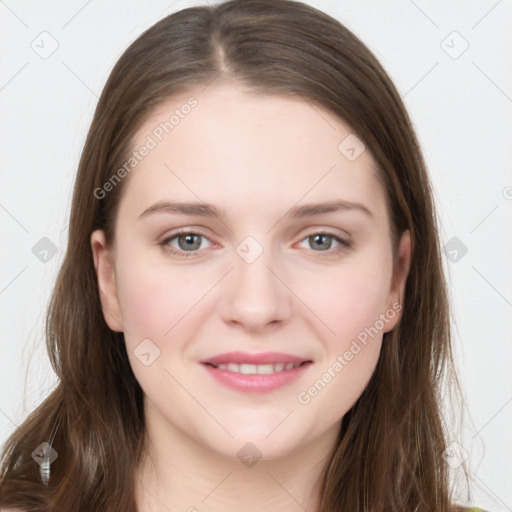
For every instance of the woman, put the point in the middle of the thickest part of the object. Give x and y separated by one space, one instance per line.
251 311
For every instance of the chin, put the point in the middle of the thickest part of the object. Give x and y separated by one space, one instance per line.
263 441
249 450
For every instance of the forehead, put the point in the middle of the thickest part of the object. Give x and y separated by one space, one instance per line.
228 145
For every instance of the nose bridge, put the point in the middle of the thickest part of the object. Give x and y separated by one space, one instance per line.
256 296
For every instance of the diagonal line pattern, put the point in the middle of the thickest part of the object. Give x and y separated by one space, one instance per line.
317 111
13 13
420 80
492 81
494 288
9 418
493 493
492 211
14 218
14 76
195 194
479 431
424 14
280 423
12 280
202 297
199 403
217 486
300 300
212 80
76 14
80 79
485 15
285 490
306 193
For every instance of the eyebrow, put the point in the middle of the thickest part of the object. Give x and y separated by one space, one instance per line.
209 210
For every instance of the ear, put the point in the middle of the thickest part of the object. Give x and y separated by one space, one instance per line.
401 268
105 272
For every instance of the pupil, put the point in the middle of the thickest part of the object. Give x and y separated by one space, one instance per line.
324 244
189 242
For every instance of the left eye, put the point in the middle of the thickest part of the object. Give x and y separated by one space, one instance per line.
323 241
187 242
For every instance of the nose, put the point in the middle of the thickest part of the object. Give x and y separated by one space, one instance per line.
256 295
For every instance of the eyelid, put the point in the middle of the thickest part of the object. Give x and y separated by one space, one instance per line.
185 231
334 232
344 243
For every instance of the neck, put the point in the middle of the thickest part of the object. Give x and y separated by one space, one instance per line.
178 473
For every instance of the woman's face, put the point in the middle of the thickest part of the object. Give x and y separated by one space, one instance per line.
252 232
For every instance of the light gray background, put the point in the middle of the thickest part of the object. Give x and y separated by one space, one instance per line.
461 105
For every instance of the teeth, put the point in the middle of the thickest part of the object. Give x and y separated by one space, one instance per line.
259 369
246 369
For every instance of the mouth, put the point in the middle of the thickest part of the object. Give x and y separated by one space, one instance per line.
257 369
256 373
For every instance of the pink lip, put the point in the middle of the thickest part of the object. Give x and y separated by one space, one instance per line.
255 383
248 358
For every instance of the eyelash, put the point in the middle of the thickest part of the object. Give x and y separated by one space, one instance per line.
344 244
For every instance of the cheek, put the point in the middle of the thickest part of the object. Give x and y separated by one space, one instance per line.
152 299
156 305
350 298
163 304
142 307
352 308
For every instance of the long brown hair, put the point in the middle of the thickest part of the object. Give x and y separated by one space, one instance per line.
389 454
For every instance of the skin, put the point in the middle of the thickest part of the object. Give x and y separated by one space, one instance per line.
256 157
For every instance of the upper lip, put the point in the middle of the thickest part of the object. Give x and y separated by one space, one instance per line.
261 358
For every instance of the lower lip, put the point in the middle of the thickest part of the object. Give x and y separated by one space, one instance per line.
255 383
